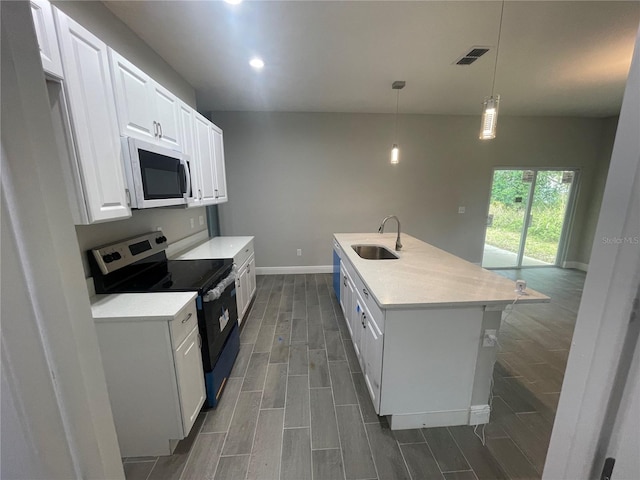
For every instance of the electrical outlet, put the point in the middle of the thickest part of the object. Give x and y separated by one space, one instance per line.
192 222
461 209
299 252
201 220
490 338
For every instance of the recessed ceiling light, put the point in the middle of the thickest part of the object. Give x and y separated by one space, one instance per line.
233 2
256 63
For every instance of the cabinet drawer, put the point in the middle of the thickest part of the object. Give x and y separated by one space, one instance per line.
183 323
243 255
367 298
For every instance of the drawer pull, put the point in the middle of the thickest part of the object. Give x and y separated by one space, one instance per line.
366 292
187 319
345 280
247 250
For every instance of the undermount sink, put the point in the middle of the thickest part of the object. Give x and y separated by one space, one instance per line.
374 252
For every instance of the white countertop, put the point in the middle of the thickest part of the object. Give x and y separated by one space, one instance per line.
160 306
425 276
214 248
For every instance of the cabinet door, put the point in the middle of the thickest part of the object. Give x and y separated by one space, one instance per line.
190 377
47 39
251 278
188 147
372 358
89 92
220 188
357 315
343 291
239 299
204 147
134 99
167 116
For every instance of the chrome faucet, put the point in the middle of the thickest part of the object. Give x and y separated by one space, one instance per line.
381 230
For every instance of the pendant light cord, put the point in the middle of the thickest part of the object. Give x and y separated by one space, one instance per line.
495 67
395 128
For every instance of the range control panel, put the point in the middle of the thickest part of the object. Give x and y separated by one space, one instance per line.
117 255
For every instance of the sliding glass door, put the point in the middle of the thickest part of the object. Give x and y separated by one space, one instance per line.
528 217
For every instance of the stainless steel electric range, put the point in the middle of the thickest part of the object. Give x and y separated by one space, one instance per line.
140 264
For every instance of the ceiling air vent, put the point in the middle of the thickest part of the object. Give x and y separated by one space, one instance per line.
472 55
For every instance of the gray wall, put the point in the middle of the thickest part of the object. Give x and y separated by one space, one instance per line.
99 20
296 178
595 191
175 222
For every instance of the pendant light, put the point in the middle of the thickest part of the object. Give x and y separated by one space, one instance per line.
395 151
490 104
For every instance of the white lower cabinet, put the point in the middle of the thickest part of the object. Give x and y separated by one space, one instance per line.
371 353
366 330
246 286
190 375
154 374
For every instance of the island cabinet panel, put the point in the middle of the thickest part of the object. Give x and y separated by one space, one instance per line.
429 363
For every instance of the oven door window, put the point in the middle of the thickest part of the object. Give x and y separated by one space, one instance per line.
162 176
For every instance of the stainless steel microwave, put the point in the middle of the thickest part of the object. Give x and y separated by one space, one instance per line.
156 176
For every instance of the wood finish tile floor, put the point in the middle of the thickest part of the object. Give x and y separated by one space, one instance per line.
296 406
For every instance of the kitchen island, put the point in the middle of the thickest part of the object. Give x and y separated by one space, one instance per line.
424 327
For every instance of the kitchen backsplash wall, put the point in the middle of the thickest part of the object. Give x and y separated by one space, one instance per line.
175 223
297 178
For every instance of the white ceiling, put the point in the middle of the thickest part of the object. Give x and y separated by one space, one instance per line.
555 57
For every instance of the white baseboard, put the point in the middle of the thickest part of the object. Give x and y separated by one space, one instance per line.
429 419
298 269
577 265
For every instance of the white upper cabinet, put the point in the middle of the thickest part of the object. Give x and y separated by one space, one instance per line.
220 187
205 159
212 182
187 139
42 14
145 109
93 121
134 97
168 117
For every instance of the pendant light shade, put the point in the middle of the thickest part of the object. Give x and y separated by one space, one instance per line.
395 151
395 154
489 117
490 105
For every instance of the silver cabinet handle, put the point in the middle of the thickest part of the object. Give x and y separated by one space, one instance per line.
155 128
247 250
199 194
187 319
345 280
366 293
364 319
199 341
160 128
216 190
128 194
